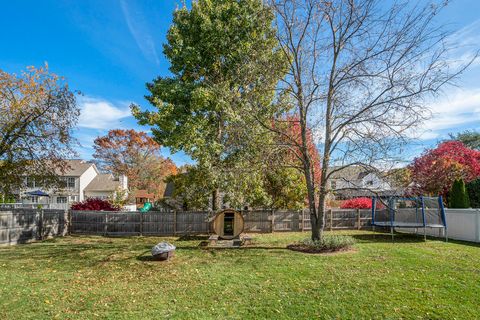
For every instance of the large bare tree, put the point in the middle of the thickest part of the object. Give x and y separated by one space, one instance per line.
361 74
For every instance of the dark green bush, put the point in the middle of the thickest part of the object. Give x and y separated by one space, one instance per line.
473 190
458 196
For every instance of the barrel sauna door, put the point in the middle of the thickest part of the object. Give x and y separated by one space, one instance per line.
228 224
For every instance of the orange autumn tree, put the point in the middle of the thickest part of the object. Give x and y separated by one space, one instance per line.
295 154
136 155
291 152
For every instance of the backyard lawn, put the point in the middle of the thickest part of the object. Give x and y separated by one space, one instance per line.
114 278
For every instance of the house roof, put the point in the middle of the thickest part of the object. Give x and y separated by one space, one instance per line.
76 167
144 194
103 182
349 173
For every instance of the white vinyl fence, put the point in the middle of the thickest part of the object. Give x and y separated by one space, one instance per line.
462 224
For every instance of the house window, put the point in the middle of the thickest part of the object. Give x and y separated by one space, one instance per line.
61 199
30 182
71 182
68 182
73 198
33 199
370 183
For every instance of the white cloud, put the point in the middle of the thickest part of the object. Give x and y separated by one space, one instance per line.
139 30
458 110
464 44
101 114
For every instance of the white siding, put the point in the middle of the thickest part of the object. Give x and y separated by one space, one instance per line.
85 179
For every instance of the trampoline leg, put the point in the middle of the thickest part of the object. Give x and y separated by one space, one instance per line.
424 234
391 232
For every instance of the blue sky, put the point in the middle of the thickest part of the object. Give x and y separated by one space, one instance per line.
109 49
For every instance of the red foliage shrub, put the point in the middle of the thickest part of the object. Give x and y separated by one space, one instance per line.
436 169
94 204
357 203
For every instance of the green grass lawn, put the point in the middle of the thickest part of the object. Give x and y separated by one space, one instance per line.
113 278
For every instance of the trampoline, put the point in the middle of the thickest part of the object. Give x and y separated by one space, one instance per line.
417 213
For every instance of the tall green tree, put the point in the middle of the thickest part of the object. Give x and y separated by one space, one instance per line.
222 53
458 196
469 138
473 190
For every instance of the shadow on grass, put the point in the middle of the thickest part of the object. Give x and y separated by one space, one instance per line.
250 247
386 237
192 238
407 238
149 259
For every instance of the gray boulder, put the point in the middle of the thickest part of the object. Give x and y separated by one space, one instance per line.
163 250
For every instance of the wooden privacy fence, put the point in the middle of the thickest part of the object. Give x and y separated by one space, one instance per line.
138 223
183 223
24 225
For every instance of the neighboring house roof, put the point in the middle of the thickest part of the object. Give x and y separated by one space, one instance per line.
76 168
349 173
144 194
104 182
354 177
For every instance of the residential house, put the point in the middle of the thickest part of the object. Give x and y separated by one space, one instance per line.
357 181
81 180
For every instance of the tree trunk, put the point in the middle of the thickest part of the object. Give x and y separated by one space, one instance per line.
311 201
321 210
307 168
216 200
315 230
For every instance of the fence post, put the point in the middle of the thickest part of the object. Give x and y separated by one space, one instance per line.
358 219
302 212
141 223
69 222
105 225
174 222
41 224
330 211
273 221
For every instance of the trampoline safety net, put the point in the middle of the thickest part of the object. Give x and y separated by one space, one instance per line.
409 212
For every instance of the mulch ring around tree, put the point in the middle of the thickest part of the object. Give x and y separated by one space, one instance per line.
311 250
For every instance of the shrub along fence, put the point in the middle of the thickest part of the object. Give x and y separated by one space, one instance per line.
179 223
24 225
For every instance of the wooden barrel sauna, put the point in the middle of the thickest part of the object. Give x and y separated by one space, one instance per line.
228 224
